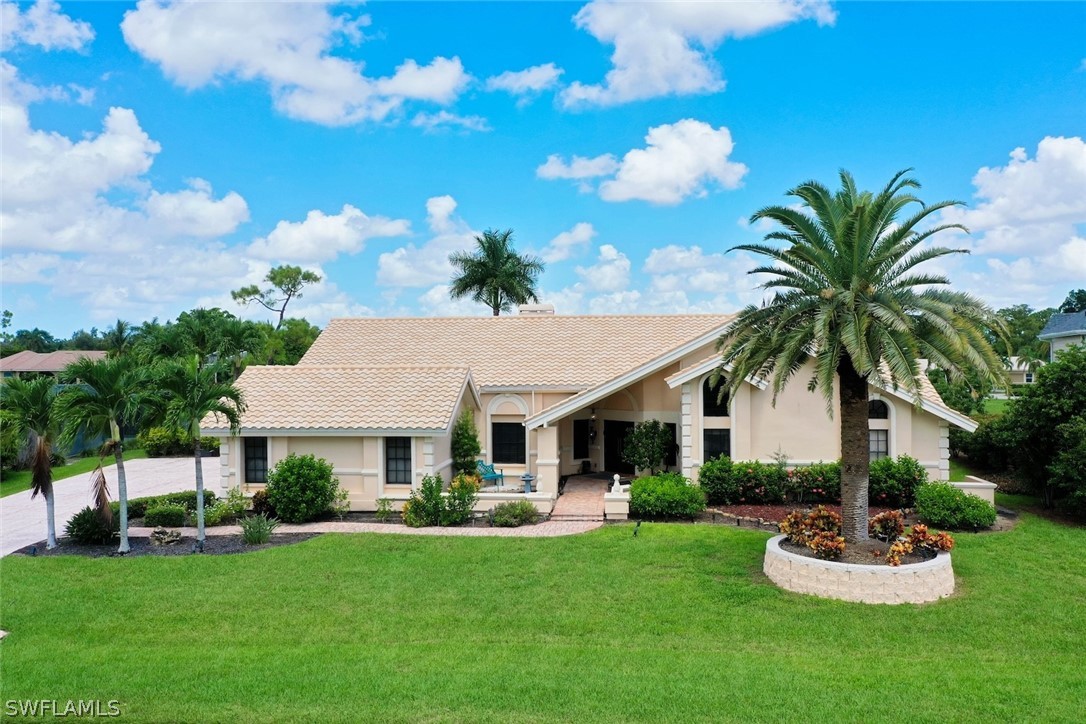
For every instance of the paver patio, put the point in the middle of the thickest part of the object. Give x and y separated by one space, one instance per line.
582 499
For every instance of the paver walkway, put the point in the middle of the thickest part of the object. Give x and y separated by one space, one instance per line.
22 520
582 499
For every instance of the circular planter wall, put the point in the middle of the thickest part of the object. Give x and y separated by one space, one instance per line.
913 583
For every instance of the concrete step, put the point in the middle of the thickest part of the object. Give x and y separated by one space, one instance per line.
576 518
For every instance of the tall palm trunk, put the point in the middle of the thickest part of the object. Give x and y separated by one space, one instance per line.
122 497
50 511
199 494
855 455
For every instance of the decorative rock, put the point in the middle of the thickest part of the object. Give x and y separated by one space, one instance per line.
910 583
160 536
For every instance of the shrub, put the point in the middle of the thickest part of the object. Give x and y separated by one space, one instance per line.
137 507
384 510
426 504
897 550
919 537
261 504
943 505
514 514
668 495
210 444
887 526
301 487
86 528
647 445
170 515
161 442
258 529
225 511
715 478
827 545
465 443
461 500
801 528
809 483
893 482
1067 473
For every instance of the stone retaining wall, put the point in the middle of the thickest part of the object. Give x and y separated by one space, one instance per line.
912 583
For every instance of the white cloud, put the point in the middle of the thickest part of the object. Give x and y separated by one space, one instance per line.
526 83
680 160
567 243
322 237
193 212
444 119
665 48
287 46
427 265
610 273
577 167
42 24
436 302
687 268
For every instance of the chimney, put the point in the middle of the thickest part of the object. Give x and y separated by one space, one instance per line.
535 310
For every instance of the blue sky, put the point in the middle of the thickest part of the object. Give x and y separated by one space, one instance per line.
157 155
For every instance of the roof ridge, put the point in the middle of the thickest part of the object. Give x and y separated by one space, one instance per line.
534 317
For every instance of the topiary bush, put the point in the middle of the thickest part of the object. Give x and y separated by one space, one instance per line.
513 514
944 506
301 488
893 482
169 515
87 528
668 495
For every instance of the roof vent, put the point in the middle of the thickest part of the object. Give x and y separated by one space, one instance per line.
535 310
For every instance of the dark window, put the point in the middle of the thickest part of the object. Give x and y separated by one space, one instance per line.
877 410
508 442
712 404
256 460
716 443
582 437
672 458
878 443
397 461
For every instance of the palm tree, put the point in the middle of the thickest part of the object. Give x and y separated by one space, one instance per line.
187 393
118 338
495 275
849 297
105 395
32 413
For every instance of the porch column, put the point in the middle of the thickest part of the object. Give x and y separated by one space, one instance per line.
686 430
546 463
944 450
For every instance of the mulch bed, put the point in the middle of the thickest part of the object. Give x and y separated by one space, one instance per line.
213 545
777 513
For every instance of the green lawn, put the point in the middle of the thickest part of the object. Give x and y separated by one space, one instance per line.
16 481
676 624
995 407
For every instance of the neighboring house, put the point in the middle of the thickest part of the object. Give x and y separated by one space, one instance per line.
1064 330
50 363
1021 371
552 395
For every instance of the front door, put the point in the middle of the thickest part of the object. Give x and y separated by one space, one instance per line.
614 438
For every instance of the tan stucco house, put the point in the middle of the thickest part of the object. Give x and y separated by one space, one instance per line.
553 395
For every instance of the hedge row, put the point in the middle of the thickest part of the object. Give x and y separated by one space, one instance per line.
893 482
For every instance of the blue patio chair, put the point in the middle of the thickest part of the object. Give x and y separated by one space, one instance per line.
488 473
